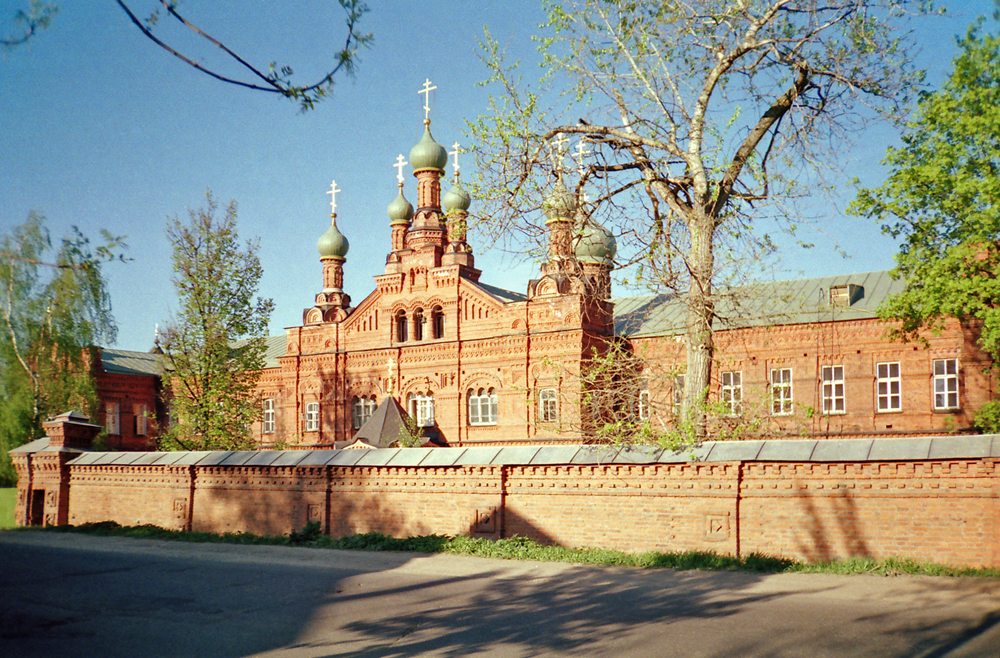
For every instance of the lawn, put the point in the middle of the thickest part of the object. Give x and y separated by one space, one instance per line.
7 499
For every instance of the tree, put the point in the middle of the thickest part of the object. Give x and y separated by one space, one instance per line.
942 200
53 308
277 78
699 115
28 23
214 347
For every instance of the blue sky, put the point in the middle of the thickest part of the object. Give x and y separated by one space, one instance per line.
102 129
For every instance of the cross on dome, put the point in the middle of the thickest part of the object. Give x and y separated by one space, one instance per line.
581 153
333 197
426 91
455 152
400 163
557 150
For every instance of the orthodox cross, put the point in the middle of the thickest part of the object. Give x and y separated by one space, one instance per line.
400 163
392 368
581 153
333 197
455 153
426 91
558 150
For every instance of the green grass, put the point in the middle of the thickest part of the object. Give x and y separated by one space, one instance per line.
522 548
8 497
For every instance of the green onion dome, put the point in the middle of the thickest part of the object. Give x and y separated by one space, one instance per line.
595 244
332 244
559 203
400 211
428 154
456 199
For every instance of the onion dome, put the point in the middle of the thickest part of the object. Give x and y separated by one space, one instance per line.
456 199
332 244
595 244
559 203
400 211
428 154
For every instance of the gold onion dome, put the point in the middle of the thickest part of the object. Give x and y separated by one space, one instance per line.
428 154
332 244
595 244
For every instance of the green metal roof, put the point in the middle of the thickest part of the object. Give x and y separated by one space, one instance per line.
128 362
797 301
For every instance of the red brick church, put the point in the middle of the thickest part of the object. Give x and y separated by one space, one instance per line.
472 363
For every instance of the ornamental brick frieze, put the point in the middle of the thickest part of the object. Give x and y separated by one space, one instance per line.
469 479
702 480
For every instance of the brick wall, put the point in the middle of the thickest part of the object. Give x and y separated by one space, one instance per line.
943 509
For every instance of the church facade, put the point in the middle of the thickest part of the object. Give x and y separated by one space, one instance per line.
473 364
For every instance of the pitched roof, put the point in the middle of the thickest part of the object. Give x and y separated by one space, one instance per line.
384 426
128 362
500 293
797 301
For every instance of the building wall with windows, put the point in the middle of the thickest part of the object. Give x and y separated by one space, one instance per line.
475 364
131 405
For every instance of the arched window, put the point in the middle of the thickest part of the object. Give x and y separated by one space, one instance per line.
548 405
402 331
421 406
363 408
437 320
268 423
312 417
418 324
482 407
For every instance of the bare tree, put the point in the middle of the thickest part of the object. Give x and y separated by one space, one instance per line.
694 117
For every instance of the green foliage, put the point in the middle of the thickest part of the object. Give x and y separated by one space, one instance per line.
988 417
409 436
703 114
28 23
8 501
307 535
522 548
214 347
54 306
942 200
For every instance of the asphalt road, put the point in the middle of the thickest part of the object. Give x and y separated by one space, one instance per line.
73 595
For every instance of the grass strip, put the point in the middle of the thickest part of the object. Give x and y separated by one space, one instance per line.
522 548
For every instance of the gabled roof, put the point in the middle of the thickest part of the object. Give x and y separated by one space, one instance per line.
127 362
501 294
385 425
797 301
276 346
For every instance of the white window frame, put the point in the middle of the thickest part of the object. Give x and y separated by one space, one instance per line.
832 389
112 422
362 410
731 391
642 405
139 412
888 387
483 406
782 393
945 384
678 392
312 417
267 421
548 405
422 409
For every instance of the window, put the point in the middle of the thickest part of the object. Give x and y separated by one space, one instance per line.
731 392
679 381
887 387
402 330
946 383
312 417
112 418
422 409
418 324
833 389
642 407
482 407
268 424
139 412
548 405
781 391
363 410
437 322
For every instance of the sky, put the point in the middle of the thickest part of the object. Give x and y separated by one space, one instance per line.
101 129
